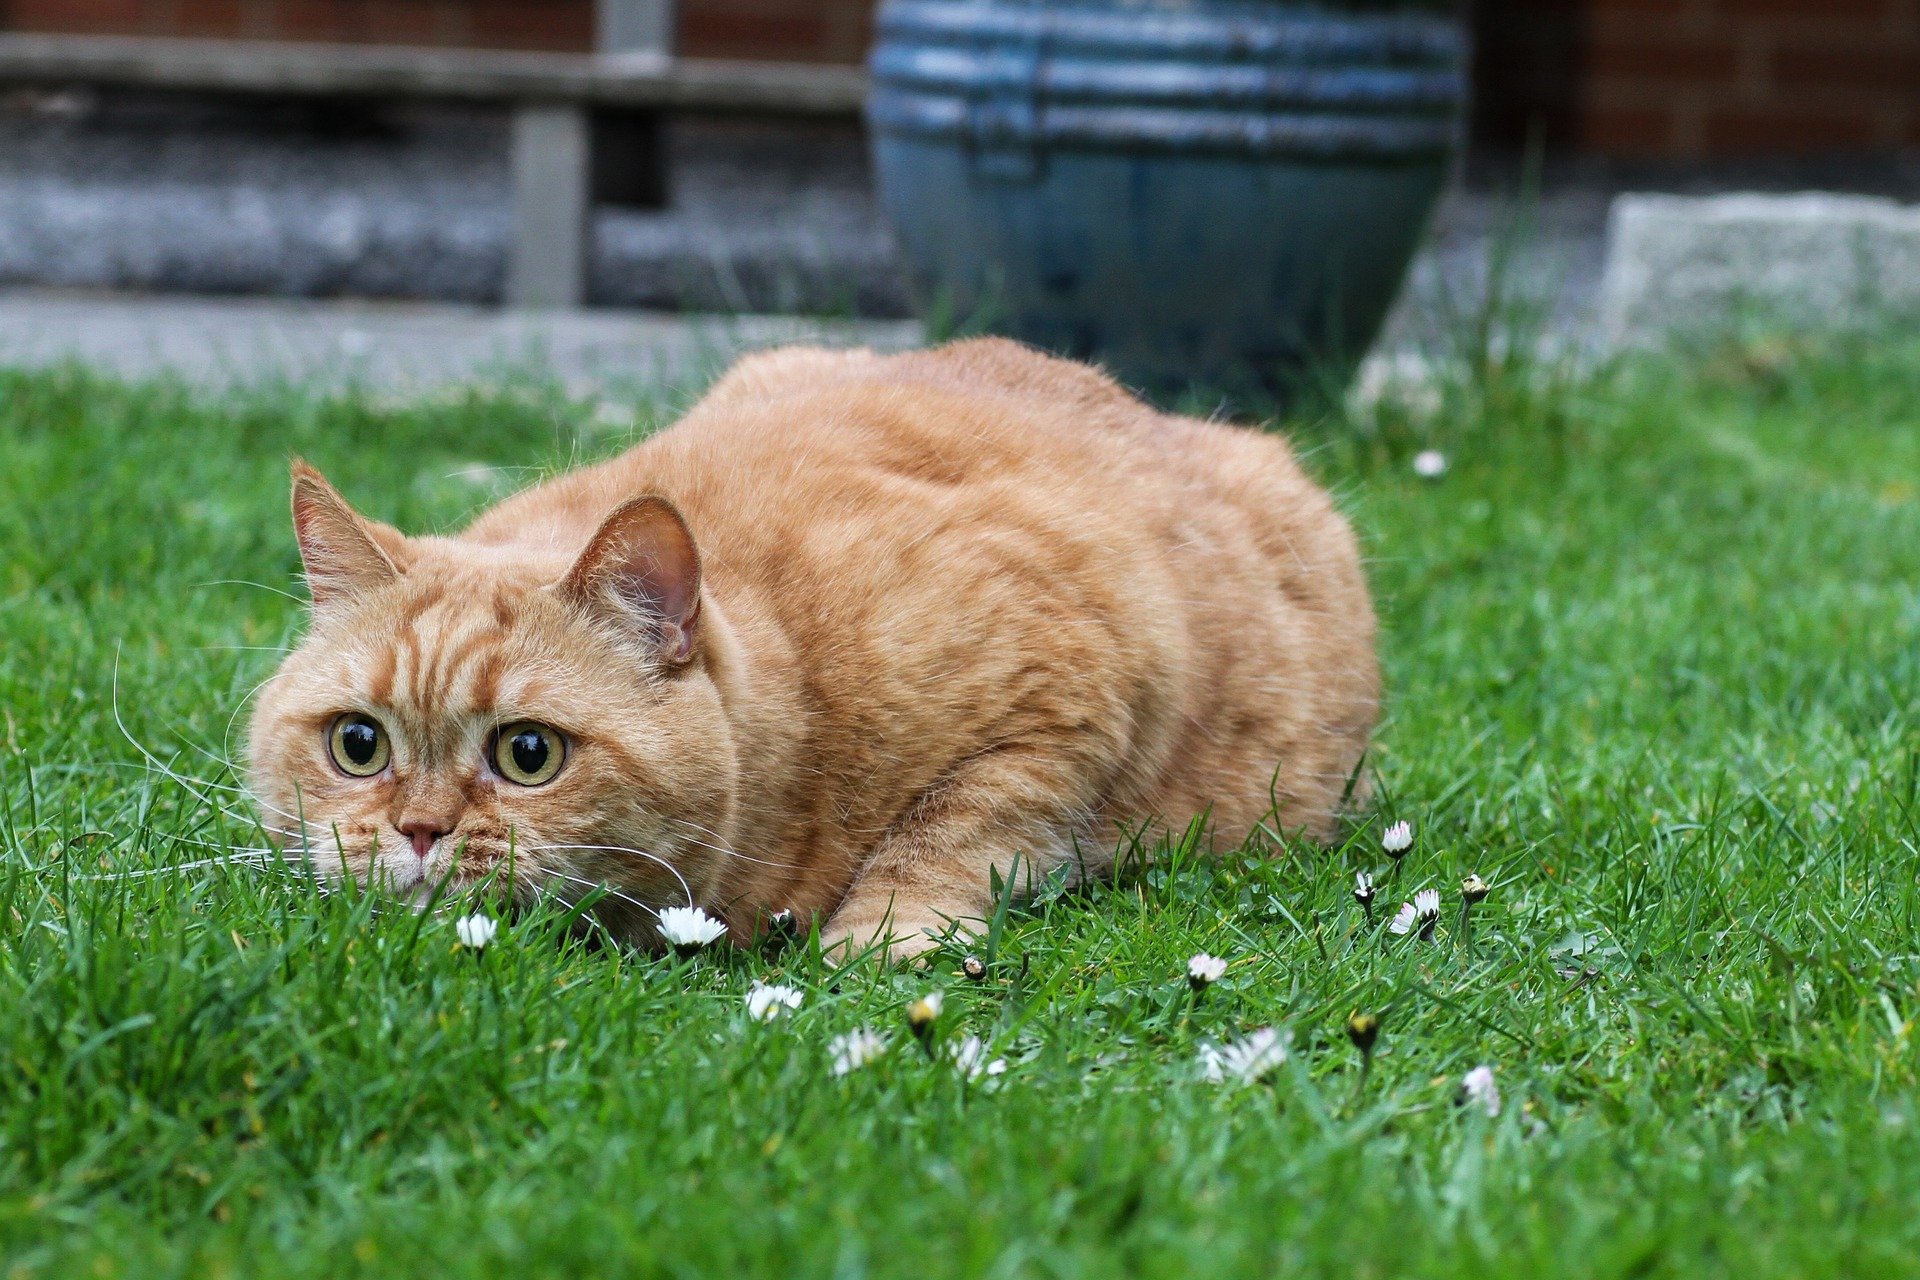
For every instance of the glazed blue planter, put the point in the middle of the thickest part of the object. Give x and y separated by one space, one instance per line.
1216 194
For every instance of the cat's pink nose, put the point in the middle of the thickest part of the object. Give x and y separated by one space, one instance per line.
423 834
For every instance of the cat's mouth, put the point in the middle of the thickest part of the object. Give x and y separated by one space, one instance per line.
443 874
457 866
449 867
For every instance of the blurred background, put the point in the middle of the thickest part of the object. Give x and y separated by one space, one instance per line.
711 156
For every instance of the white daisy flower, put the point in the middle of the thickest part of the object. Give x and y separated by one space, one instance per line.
1478 1089
1429 464
765 1003
855 1049
476 931
1245 1061
1397 839
1204 970
1473 888
1363 888
687 929
970 1059
1422 913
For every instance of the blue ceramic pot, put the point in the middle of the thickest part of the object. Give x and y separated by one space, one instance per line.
1208 193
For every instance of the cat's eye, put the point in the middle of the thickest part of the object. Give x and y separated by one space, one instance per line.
528 753
359 745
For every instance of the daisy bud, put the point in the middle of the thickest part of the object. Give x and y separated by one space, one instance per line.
855 1050
1204 970
1478 1090
765 1003
1473 888
1423 914
475 931
1246 1061
923 1013
1363 1029
971 1061
1397 839
780 927
974 968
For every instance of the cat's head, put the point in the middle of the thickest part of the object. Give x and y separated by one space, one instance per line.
461 709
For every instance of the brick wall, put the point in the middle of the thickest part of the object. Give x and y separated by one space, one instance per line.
797 30
508 24
1688 78
794 30
1676 79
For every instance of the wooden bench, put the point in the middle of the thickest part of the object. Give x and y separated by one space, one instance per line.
556 100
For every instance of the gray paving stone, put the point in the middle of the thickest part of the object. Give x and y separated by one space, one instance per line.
399 349
1689 267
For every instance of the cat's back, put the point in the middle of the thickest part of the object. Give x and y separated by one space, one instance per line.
806 436
968 413
802 462
823 434
1024 536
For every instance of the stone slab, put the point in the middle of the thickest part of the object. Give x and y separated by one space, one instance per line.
106 192
400 349
1683 267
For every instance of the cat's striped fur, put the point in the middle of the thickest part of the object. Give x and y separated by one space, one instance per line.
884 624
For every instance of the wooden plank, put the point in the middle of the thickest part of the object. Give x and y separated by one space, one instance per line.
628 151
551 206
633 26
633 79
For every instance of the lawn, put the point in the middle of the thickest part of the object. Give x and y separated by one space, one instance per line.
1653 646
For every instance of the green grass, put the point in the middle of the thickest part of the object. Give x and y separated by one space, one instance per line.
1653 645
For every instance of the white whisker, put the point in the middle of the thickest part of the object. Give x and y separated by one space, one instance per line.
264 851
254 862
190 786
150 758
731 852
242 582
226 735
611 892
619 848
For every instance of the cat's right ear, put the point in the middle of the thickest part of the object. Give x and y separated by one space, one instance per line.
643 566
344 552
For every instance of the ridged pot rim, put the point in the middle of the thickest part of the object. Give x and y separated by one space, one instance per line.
1227 76
1241 30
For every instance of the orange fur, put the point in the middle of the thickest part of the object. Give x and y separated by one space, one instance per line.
925 613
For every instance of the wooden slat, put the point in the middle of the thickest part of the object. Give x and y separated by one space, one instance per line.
626 26
284 67
552 205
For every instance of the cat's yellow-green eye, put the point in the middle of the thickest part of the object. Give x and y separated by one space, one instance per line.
359 745
528 754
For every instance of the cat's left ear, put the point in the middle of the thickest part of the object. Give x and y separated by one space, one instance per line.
643 566
344 553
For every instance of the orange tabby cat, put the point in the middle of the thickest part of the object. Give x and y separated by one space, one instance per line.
853 634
